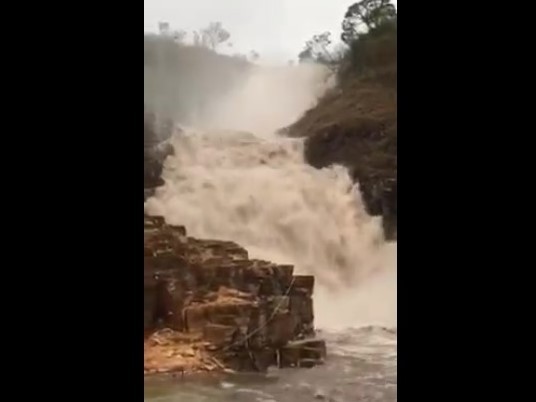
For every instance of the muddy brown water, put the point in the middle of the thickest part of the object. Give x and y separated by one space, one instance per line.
361 366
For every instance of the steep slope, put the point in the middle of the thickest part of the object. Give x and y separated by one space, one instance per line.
355 124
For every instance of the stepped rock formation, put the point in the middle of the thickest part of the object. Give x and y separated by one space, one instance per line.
209 307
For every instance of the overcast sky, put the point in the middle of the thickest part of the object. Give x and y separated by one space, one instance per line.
277 29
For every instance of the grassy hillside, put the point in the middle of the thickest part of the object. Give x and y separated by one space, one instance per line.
355 124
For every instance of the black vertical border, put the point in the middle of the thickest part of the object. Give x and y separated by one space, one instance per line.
73 150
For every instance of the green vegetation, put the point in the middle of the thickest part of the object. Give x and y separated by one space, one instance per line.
355 124
369 44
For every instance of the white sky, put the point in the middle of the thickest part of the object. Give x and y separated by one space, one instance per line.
277 29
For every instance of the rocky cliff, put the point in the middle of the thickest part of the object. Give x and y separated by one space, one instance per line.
155 150
208 306
355 124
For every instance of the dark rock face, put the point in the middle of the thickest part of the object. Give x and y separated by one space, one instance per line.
380 199
245 312
155 151
369 151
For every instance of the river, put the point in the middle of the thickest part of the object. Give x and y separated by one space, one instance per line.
361 366
251 186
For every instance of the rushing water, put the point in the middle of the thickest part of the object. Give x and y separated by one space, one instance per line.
361 367
257 190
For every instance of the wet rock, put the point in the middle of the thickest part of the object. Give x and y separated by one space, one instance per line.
304 353
240 312
304 284
309 363
281 329
156 150
150 301
219 335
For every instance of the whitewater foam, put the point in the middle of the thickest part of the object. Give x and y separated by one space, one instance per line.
248 185
260 193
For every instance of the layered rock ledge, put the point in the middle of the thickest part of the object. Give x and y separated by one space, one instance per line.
209 307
